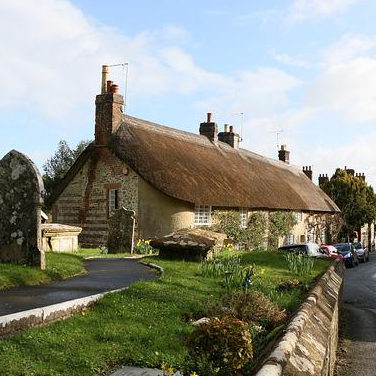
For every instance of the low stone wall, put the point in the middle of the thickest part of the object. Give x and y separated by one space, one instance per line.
309 344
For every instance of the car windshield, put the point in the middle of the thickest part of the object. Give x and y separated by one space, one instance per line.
358 245
343 247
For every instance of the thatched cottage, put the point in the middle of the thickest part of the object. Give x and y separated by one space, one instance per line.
172 179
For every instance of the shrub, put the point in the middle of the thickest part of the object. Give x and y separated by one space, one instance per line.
225 343
252 307
280 224
249 237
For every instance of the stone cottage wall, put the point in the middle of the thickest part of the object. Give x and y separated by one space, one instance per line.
308 347
84 202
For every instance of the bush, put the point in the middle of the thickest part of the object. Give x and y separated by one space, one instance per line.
252 307
249 237
225 343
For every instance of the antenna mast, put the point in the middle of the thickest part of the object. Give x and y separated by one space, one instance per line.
125 67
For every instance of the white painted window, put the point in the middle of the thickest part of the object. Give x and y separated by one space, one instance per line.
202 215
290 239
298 216
112 201
243 217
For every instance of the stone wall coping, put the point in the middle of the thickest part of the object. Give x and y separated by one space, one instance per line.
278 358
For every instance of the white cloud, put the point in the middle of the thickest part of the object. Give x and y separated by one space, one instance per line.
302 10
290 60
347 80
346 48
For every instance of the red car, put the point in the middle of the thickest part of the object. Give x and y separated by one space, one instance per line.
331 251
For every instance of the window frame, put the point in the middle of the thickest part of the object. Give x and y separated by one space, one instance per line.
111 208
243 213
202 215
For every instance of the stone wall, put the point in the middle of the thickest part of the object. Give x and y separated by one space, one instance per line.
84 202
308 347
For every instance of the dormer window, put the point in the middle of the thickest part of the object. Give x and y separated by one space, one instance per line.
202 215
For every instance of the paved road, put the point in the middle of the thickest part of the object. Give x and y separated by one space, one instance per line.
358 320
103 275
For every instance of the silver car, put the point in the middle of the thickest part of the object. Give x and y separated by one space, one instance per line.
361 251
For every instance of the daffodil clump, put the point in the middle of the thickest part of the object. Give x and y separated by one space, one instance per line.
143 247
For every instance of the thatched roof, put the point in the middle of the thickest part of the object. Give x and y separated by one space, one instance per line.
190 167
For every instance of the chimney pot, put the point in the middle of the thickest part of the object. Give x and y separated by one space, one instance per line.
105 70
225 128
231 129
109 84
115 89
208 117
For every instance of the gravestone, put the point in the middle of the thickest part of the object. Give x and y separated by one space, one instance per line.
121 231
21 190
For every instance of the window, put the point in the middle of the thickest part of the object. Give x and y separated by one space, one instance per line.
112 201
243 217
290 239
202 215
298 216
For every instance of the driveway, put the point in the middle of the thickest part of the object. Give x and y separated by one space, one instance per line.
358 320
103 275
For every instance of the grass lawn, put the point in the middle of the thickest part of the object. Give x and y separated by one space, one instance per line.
58 266
140 326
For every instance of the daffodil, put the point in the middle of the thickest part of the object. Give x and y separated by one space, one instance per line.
193 374
170 371
164 366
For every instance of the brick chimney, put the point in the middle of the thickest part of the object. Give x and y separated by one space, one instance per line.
209 129
229 136
350 171
360 176
108 110
308 171
323 178
284 154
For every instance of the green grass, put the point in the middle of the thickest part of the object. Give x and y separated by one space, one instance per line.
58 266
140 326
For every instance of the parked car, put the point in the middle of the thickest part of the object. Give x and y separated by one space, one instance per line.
361 252
308 249
350 257
331 252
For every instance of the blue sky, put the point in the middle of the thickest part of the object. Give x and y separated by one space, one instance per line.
307 67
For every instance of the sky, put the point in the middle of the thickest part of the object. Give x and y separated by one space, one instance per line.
303 68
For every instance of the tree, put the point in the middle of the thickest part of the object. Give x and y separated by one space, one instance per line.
57 166
355 198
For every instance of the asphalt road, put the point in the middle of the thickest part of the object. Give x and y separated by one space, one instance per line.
358 320
103 275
